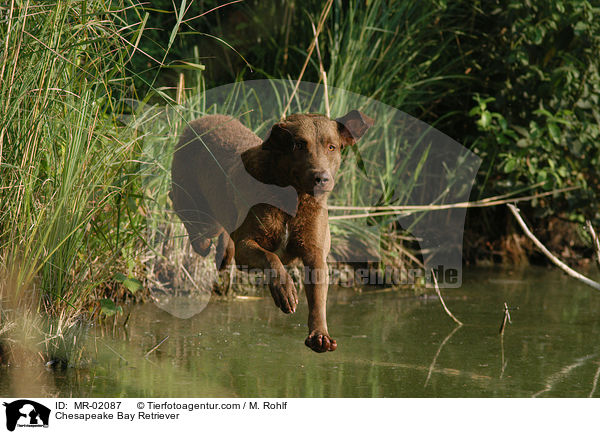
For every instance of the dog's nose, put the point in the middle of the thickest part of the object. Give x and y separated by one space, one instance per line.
322 179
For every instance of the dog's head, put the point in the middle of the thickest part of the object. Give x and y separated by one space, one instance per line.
308 147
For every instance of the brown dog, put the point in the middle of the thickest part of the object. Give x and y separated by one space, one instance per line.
267 201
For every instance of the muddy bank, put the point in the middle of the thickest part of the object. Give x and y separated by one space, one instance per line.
492 236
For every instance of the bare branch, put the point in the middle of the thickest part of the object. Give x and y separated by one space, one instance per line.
437 289
505 319
156 346
373 211
595 240
322 69
322 19
548 254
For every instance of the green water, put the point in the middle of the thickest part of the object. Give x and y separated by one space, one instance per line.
391 344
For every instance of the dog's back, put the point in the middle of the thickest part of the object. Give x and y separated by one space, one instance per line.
211 189
207 154
217 133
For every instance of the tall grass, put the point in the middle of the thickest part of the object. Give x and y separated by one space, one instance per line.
65 164
394 52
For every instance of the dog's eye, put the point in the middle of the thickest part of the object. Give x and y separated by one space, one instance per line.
299 145
331 147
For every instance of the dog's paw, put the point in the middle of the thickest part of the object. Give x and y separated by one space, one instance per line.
320 342
284 293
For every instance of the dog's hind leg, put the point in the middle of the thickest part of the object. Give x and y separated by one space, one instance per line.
224 258
197 219
225 253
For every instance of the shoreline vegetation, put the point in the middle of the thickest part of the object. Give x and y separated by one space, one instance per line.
518 86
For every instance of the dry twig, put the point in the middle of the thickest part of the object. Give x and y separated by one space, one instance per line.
548 254
373 211
323 73
437 289
595 240
155 347
505 319
324 14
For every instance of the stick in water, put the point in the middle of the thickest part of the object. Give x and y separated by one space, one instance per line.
155 347
505 319
437 289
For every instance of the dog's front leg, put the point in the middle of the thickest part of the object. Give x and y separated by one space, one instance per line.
249 252
316 285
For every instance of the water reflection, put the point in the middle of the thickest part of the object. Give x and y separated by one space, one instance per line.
439 350
392 344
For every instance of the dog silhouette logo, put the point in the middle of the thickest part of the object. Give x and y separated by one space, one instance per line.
26 413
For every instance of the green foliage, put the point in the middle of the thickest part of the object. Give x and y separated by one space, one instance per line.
109 308
536 109
131 283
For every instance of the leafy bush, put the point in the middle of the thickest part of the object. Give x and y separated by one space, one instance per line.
536 102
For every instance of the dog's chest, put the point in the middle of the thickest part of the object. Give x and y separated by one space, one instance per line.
289 235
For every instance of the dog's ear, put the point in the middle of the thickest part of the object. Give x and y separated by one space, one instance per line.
279 138
352 126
